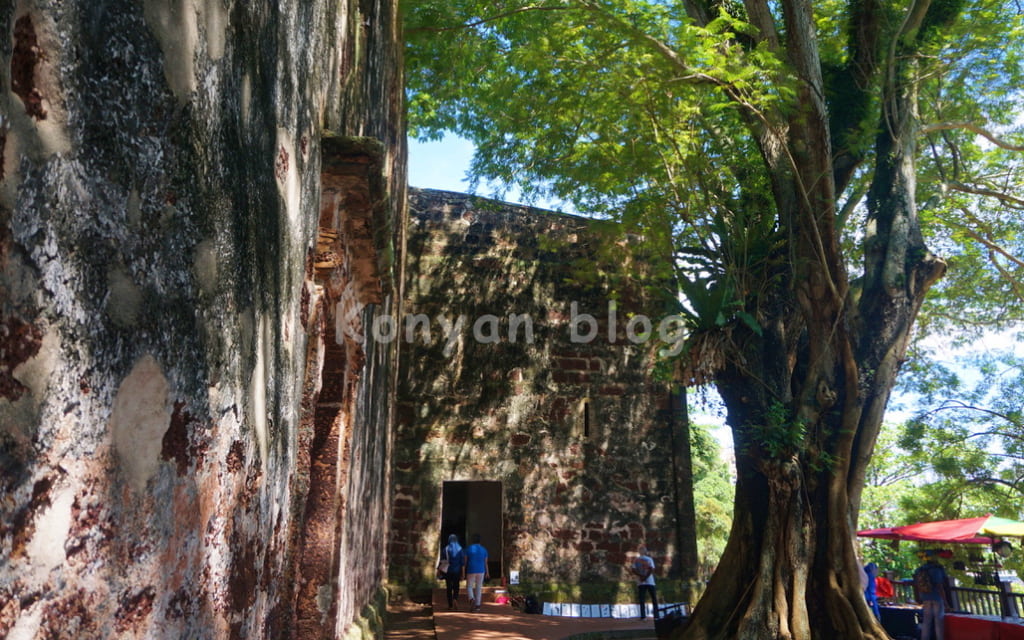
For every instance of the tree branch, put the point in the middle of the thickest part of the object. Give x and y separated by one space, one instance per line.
973 128
665 51
989 480
958 405
912 20
699 11
855 198
989 244
899 45
853 83
1007 276
760 15
1008 200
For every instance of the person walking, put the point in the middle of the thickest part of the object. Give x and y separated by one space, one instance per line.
456 570
930 592
476 572
643 570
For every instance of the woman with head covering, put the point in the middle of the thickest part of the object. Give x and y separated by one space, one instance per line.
452 553
870 592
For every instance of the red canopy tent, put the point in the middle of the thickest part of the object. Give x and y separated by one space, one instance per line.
982 530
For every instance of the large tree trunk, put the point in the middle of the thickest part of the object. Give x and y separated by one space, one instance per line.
806 395
789 570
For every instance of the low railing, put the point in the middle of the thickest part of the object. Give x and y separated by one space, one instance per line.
979 602
904 592
1001 602
1017 600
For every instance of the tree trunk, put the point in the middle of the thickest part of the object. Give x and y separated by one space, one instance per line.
806 395
789 570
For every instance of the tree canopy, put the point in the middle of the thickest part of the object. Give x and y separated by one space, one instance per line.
807 172
637 110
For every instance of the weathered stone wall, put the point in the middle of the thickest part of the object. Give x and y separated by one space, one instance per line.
190 193
574 431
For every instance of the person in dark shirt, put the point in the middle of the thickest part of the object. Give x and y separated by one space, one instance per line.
456 571
930 591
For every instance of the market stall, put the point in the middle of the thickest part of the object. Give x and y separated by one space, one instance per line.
963 623
982 530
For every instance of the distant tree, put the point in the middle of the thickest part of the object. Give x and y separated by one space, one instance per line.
917 477
970 431
774 155
891 477
712 496
891 480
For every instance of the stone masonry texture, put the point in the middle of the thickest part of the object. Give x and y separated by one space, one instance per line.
201 212
574 431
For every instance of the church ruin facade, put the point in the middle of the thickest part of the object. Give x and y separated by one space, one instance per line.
529 408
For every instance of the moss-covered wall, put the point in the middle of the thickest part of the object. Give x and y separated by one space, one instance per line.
574 430
163 320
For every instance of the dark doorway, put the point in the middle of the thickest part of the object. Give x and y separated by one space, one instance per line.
474 507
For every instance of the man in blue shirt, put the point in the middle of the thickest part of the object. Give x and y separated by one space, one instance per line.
930 585
476 571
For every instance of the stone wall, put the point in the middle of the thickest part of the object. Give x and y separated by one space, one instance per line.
201 208
573 429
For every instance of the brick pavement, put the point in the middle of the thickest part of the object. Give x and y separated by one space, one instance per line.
412 621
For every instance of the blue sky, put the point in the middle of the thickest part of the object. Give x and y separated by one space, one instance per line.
443 164
440 165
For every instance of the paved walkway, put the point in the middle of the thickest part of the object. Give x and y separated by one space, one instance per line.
499 621
409 621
